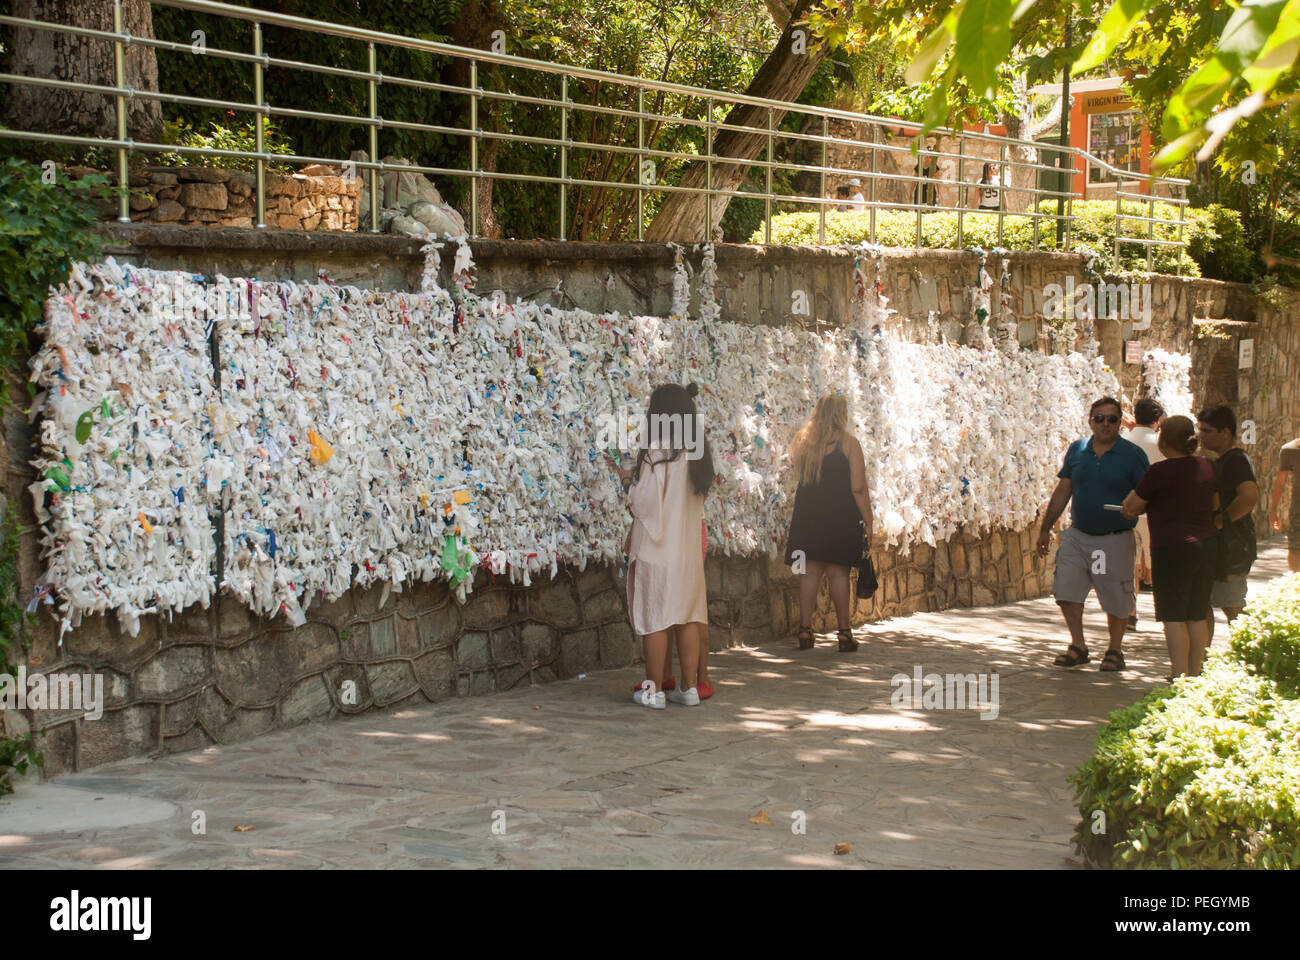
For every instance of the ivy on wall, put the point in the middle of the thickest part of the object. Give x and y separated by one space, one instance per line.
45 223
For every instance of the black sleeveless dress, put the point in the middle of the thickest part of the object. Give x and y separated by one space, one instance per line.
826 524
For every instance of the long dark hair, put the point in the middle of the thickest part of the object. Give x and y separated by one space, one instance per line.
672 400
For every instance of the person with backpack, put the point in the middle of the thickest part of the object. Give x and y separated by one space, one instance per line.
1238 493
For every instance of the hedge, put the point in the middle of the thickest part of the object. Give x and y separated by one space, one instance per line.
1213 234
1206 773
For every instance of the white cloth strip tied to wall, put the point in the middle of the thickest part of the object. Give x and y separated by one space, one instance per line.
362 438
126 381
1168 379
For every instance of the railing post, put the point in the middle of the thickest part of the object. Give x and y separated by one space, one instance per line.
918 191
1119 186
473 154
1002 192
1035 198
119 71
708 173
1182 219
767 201
1151 230
259 138
640 163
564 156
961 182
821 207
875 139
375 180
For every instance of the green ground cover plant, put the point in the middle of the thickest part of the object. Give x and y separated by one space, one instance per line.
1205 774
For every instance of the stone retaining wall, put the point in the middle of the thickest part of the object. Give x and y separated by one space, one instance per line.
222 675
314 198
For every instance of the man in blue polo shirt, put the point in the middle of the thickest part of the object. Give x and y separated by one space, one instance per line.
1097 549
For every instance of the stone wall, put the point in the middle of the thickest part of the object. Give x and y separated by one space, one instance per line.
314 198
222 675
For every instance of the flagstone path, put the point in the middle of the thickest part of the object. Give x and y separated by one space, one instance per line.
573 774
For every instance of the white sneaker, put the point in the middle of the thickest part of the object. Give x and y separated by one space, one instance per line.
687 698
656 702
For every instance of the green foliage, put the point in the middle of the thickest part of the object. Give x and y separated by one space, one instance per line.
17 754
689 42
238 135
1206 773
220 78
1094 227
1198 72
1266 637
1219 245
44 227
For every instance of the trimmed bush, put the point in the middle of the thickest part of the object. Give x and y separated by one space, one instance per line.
1213 235
1206 773
1266 637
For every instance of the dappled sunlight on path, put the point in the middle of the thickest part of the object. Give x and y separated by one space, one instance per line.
574 774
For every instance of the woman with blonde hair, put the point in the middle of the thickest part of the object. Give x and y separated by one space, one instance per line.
831 526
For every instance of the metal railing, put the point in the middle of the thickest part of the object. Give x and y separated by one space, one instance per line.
1013 159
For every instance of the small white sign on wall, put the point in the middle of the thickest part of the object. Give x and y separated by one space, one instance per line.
1245 354
1132 351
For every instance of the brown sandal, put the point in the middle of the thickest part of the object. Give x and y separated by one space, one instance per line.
1112 662
806 638
847 643
1072 657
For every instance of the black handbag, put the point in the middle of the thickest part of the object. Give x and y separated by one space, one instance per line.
867 582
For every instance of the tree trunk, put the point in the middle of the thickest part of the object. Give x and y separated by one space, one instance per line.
473 28
67 56
782 77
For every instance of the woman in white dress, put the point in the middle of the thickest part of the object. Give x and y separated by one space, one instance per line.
665 576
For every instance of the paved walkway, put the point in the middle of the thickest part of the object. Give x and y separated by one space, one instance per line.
575 775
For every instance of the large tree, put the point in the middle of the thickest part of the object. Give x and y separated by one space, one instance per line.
63 55
782 76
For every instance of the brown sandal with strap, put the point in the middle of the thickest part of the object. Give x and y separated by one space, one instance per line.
847 643
1072 657
806 638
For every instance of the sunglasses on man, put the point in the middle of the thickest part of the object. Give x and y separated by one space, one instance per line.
1105 418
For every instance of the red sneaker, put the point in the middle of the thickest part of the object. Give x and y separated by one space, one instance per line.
704 689
669 684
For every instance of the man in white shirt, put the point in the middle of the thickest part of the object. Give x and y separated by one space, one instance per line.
1148 413
856 200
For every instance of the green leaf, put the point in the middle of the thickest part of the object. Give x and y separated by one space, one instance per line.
983 41
84 424
1278 53
1114 27
1244 38
932 50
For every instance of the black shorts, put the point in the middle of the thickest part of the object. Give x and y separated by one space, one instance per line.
1182 576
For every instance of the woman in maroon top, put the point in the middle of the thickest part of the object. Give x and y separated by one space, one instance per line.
1180 499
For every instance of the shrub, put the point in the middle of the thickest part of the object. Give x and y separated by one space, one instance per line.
240 135
1213 235
1206 773
1266 637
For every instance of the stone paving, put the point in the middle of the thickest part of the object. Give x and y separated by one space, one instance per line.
573 774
